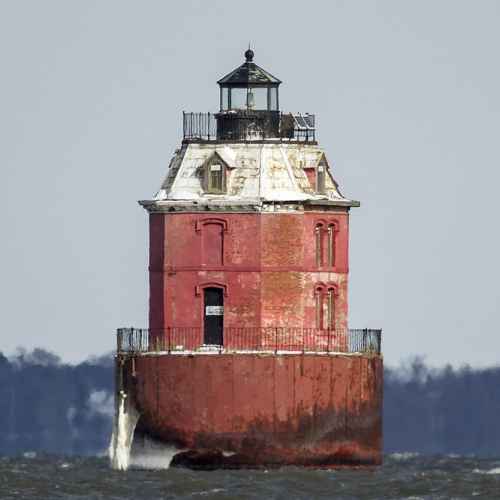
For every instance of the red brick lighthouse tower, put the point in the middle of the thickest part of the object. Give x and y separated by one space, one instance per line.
248 359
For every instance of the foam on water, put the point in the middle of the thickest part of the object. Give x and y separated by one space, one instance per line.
405 455
123 434
496 470
149 454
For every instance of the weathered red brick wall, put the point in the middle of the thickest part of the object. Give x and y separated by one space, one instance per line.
157 282
267 267
295 409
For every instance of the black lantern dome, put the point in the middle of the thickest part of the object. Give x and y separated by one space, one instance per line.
249 87
249 111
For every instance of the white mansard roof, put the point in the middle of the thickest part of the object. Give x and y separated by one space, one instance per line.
259 173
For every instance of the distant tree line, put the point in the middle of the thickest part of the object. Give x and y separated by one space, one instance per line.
442 411
48 406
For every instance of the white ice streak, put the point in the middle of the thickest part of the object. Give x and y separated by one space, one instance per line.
123 434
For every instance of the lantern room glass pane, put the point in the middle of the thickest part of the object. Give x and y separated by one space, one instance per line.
225 104
257 98
238 99
273 94
247 98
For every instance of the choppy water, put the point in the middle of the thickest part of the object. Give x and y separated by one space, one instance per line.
402 476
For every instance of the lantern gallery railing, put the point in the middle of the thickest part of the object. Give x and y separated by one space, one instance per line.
257 339
249 125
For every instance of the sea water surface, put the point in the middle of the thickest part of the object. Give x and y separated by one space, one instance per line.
403 475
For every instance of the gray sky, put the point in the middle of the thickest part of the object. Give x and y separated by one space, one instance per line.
406 96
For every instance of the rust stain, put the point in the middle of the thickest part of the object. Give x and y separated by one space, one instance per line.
320 420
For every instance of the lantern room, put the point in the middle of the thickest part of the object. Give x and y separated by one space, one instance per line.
249 87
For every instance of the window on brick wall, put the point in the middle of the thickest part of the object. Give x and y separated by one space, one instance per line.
330 237
212 232
318 296
325 307
318 236
330 308
213 244
324 235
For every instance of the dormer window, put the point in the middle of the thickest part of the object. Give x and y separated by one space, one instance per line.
317 174
321 175
215 178
215 173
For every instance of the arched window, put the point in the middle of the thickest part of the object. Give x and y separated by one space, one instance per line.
213 244
324 236
330 309
318 298
212 241
324 297
331 245
318 236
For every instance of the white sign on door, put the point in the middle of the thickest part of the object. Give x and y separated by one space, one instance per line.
214 310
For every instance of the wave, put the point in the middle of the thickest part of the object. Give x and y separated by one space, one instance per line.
404 455
496 470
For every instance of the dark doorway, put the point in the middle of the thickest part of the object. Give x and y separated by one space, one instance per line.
213 316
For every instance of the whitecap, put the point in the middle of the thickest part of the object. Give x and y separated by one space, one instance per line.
405 455
496 470
208 492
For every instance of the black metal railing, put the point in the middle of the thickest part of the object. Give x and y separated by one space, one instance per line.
249 125
200 126
249 339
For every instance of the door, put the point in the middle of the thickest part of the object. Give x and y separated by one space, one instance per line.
214 316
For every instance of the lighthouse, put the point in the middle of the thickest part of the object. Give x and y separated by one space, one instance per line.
248 359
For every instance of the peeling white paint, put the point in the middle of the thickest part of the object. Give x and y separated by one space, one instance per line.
258 171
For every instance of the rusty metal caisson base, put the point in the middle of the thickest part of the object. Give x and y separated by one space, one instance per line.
239 410
248 360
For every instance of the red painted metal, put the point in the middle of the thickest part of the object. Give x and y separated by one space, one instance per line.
251 410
